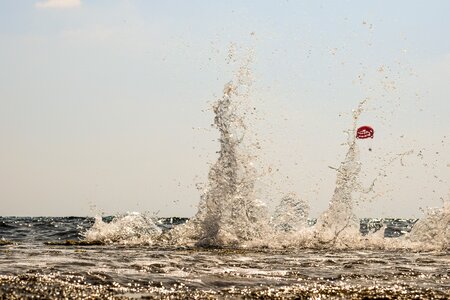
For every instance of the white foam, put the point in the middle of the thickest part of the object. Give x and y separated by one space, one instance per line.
433 230
130 228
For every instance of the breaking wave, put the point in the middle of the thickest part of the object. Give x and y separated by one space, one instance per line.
130 228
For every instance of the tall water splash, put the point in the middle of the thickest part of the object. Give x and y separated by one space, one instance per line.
339 223
229 211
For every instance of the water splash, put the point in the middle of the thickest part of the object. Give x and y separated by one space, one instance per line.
339 222
229 211
130 228
230 214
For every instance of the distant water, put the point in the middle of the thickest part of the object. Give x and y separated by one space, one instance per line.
54 229
49 257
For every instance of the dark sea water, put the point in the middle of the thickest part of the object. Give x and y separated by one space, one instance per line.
48 257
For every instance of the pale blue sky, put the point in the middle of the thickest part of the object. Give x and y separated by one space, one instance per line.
104 105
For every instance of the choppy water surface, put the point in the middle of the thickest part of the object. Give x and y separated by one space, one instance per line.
38 261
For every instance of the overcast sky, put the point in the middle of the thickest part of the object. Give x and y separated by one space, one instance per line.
105 105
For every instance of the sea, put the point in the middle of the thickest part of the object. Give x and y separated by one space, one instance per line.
50 258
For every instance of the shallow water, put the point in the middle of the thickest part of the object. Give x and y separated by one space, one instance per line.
38 261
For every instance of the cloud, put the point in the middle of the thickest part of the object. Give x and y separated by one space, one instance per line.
58 4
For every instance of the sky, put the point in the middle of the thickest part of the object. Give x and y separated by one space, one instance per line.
105 106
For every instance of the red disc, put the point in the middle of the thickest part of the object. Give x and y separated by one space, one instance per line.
364 132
